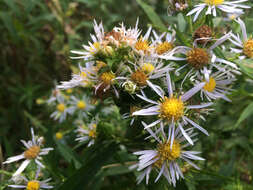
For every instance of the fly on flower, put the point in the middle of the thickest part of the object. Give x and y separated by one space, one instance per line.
33 152
165 159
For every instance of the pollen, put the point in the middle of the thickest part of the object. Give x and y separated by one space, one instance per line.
167 153
60 107
33 185
81 104
32 152
171 108
210 86
83 75
214 2
248 48
142 45
107 78
139 77
92 133
163 48
147 67
198 57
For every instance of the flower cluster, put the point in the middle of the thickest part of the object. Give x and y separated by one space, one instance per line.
166 84
172 85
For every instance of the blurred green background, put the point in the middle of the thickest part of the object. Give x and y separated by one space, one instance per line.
36 39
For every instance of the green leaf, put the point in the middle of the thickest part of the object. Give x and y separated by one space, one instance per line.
181 22
95 159
246 113
68 154
153 17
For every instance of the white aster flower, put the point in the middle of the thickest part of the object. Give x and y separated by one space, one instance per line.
80 105
33 153
163 46
198 58
171 109
61 109
244 45
166 157
80 79
141 71
34 184
216 84
87 133
142 46
234 7
94 46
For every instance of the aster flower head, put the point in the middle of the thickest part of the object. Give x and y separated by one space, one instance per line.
33 152
198 58
166 158
216 84
244 44
226 6
80 105
87 133
163 43
62 109
142 71
171 110
33 184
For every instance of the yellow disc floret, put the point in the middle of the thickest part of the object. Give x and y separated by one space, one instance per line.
210 86
60 107
142 45
171 108
58 135
167 153
32 152
163 48
81 104
92 133
107 78
214 2
198 57
248 48
139 77
95 48
147 67
69 91
33 185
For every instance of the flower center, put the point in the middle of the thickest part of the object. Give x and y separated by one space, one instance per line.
163 47
33 185
214 2
171 108
32 152
248 48
69 91
107 77
59 135
139 77
92 133
205 32
61 107
167 153
198 57
210 86
147 67
142 45
81 104
94 50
